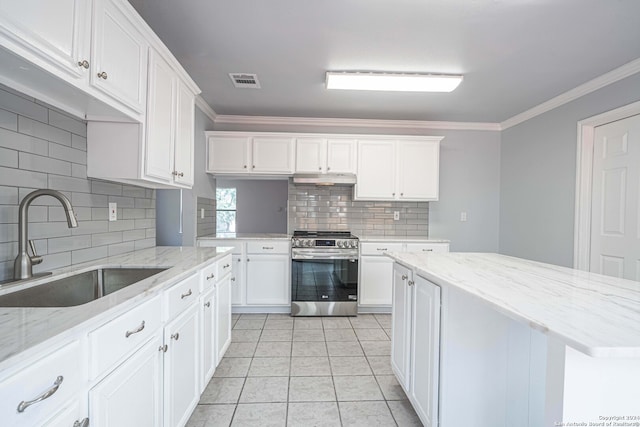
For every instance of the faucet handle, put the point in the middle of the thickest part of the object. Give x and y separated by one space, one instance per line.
35 259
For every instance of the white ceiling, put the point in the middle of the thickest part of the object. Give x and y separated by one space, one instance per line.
514 54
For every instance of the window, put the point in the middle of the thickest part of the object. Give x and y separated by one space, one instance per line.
225 210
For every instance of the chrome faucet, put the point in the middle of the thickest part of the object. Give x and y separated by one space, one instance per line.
23 265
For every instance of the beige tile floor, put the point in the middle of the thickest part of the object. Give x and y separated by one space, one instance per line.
307 372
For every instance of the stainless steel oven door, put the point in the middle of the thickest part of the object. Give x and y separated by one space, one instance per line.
324 279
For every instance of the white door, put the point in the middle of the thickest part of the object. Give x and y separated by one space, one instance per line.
376 170
228 154
425 357
376 278
160 119
119 56
268 279
341 156
272 155
615 202
181 367
401 326
131 396
418 170
223 317
311 155
183 163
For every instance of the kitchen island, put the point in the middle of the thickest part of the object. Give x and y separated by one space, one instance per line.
512 342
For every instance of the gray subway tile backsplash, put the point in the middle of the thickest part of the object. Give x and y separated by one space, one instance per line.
41 147
333 209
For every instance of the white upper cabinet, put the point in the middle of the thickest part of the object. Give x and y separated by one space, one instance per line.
399 169
185 129
119 55
240 153
49 32
376 170
322 155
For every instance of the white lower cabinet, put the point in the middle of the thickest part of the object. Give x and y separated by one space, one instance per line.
415 347
181 367
223 317
131 395
208 328
267 279
376 269
74 415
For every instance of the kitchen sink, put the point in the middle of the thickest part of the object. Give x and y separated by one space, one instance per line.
77 289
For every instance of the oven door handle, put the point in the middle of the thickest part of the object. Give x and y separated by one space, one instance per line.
323 256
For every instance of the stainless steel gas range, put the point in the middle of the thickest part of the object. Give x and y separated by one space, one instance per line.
324 273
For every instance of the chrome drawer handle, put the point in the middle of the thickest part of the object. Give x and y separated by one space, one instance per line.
207 304
175 336
211 276
83 423
183 296
427 250
47 394
381 249
267 247
135 331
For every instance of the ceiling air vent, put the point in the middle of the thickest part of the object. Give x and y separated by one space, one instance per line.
244 80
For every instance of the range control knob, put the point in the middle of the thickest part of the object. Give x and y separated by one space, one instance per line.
341 244
308 243
348 244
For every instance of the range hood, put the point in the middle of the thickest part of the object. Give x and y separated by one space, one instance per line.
324 179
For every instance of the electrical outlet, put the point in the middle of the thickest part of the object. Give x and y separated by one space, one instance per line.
463 216
396 216
202 213
113 211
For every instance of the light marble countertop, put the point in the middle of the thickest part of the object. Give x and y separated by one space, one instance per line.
595 314
403 239
24 331
247 236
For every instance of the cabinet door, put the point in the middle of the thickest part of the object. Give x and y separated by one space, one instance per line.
272 155
183 164
418 170
58 32
237 280
160 119
181 367
401 326
376 170
228 154
268 280
376 278
425 357
119 56
131 396
223 317
311 155
341 156
208 321
72 415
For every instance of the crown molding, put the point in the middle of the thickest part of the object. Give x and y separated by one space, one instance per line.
362 123
626 70
206 108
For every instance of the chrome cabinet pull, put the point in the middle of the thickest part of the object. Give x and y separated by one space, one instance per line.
47 394
225 266
211 276
233 279
268 248
319 168
245 166
83 64
381 249
178 174
103 75
411 283
83 423
405 277
427 250
175 336
328 168
163 348
135 331
207 304
253 167
248 260
183 296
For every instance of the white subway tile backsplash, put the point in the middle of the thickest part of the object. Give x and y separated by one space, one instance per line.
102 239
104 187
121 248
79 142
15 177
8 120
67 123
78 185
90 254
69 154
8 158
65 244
42 130
17 141
22 106
90 200
44 164
121 225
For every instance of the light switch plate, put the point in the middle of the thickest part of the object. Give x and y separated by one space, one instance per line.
463 216
113 211
202 213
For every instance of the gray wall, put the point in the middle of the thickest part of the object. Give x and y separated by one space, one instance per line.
261 205
169 200
538 175
43 148
469 180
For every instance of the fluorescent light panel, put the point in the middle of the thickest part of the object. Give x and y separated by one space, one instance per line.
392 81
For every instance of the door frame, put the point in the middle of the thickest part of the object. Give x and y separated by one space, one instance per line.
584 175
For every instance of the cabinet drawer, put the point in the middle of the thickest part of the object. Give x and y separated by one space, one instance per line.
208 276
427 247
116 339
268 247
224 266
60 375
380 248
182 295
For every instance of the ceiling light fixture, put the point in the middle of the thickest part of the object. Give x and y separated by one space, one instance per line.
392 81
